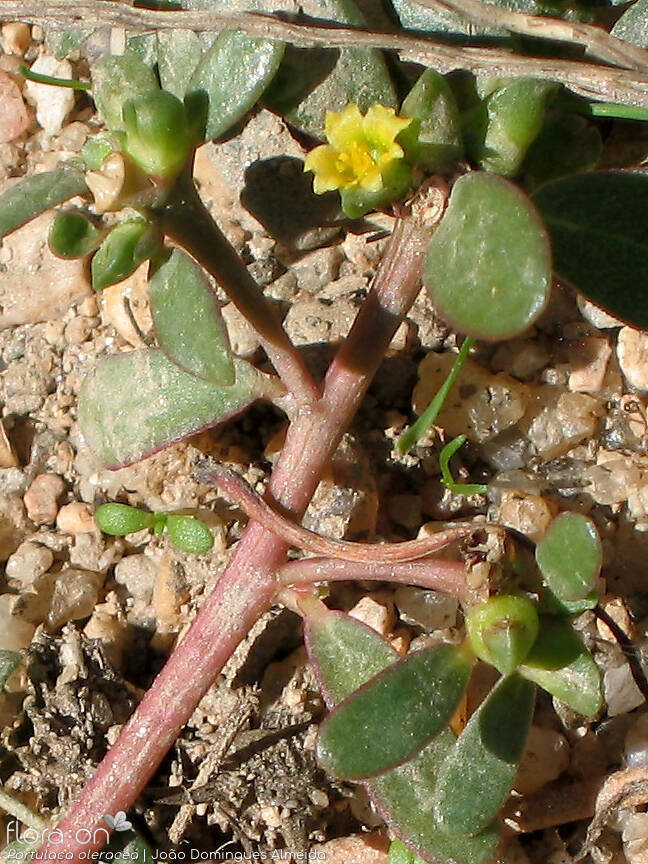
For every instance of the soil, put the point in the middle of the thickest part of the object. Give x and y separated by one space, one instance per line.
557 421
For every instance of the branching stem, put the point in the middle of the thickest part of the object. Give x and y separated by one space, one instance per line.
446 576
293 534
248 586
186 220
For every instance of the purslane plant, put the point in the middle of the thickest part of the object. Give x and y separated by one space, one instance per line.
485 257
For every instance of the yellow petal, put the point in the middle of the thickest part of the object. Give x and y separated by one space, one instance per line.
343 129
323 162
381 126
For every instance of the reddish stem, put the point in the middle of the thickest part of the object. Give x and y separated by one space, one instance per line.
236 488
446 576
187 221
248 585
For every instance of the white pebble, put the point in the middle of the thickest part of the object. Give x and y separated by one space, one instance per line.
15 632
53 104
632 353
27 564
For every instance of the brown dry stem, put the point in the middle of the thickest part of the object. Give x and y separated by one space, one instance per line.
607 83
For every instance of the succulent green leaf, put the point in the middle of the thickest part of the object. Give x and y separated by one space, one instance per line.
400 854
62 43
115 80
9 661
415 697
488 265
511 119
549 604
570 556
133 404
31 196
433 140
596 223
121 519
97 149
189 534
159 137
347 654
566 144
561 665
179 52
119 255
188 323
234 73
311 82
344 652
404 797
477 775
633 24
73 235
502 630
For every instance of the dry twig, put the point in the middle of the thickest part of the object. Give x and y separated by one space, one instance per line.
610 84
596 41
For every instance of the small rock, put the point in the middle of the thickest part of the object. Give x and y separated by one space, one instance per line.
636 742
53 104
243 338
621 692
617 610
378 616
75 595
37 286
357 849
429 609
14 117
137 573
613 479
107 183
110 631
632 354
556 421
545 757
8 458
635 838
596 316
75 518
14 524
15 632
27 564
482 404
529 514
169 593
589 359
16 38
78 330
42 497
521 358
114 310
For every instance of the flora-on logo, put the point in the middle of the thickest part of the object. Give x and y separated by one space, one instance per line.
118 822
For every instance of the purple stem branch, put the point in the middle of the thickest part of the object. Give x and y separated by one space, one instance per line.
186 220
248 586
239 491
446 576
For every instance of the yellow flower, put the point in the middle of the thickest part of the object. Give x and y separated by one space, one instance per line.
359 151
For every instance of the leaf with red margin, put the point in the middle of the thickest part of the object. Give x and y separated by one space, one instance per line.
136 403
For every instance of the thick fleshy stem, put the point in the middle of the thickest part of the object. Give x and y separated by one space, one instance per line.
248 586
186 220
437 575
